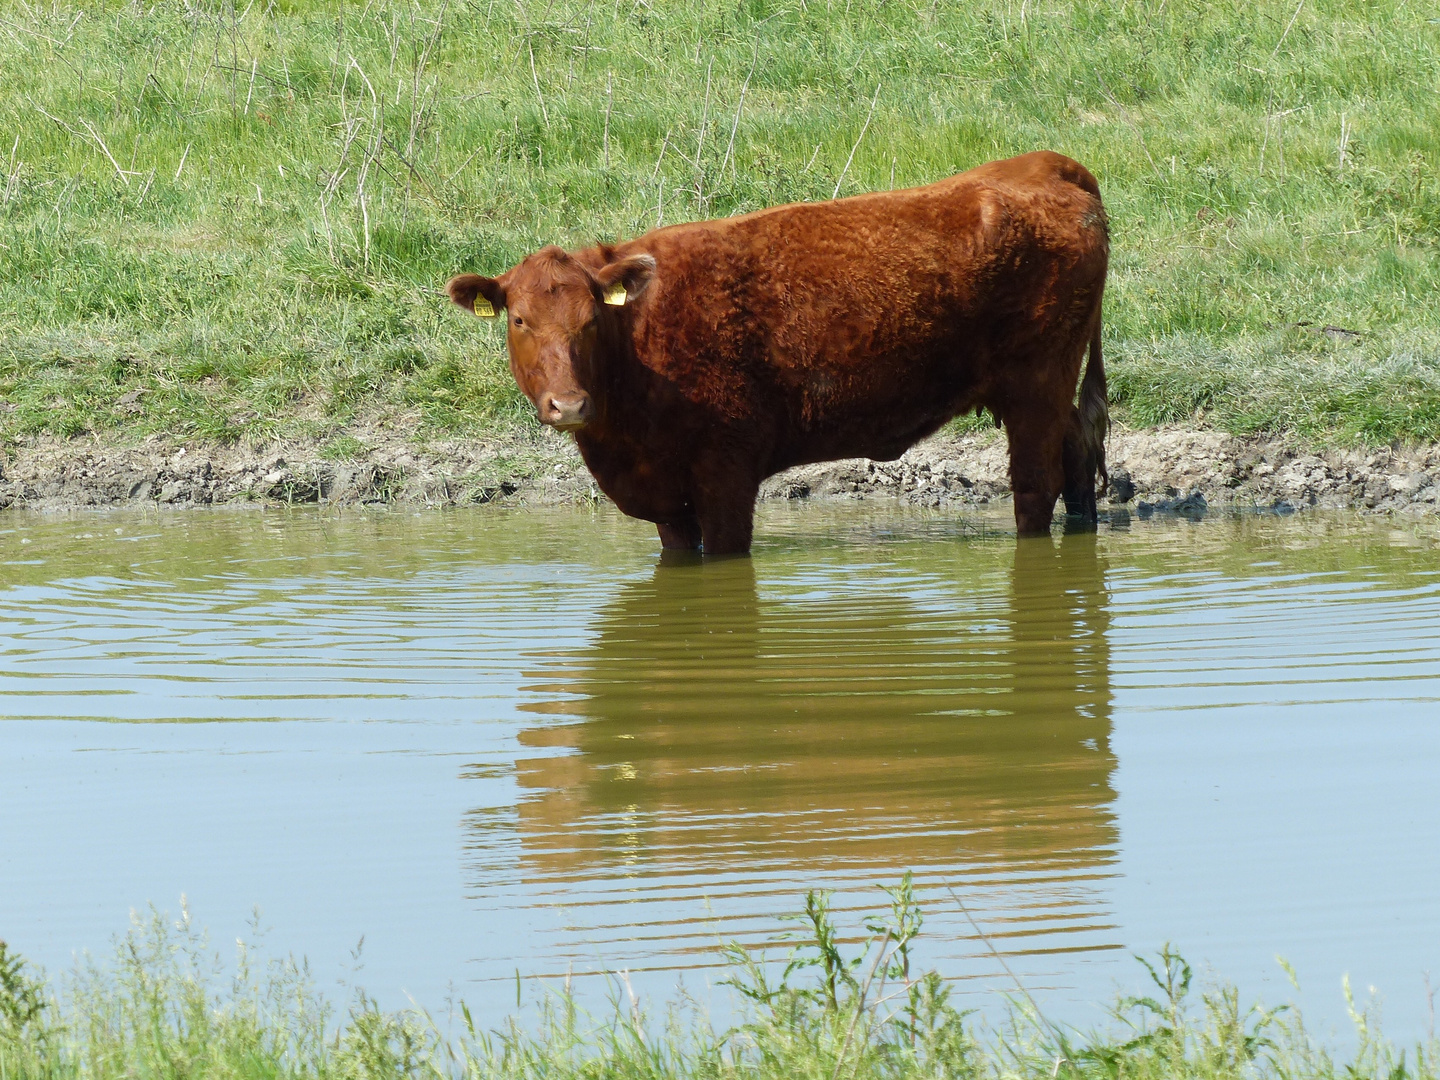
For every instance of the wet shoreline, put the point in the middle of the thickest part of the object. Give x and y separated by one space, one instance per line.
1168 470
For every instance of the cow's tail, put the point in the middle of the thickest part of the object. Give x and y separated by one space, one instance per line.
1094 411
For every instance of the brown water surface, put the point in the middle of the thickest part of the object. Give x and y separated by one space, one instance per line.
507 741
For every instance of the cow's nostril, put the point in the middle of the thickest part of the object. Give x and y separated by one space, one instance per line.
568 414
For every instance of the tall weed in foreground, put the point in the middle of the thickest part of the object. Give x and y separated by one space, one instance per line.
831 1011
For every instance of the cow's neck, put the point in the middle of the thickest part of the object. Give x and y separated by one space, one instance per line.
622 396
627 447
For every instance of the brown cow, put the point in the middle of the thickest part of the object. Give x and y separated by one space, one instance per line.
695 361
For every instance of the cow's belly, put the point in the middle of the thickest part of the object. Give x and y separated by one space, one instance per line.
882 415
882 443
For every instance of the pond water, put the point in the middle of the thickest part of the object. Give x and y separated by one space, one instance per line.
502 741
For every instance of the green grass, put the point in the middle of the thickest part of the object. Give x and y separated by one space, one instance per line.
246 212
166 1009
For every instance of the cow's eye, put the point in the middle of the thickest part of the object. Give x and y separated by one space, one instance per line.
519 321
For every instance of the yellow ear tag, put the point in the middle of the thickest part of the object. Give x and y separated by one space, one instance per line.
484 308
615 295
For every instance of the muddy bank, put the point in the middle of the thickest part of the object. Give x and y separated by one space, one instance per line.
1154 471
56 474
1168 470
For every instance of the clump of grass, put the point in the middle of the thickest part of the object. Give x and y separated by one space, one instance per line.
246 212
343 448
165 1009
1322 384
23 1002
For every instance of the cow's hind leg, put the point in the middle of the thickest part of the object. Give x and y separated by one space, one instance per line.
1037 472
1079 489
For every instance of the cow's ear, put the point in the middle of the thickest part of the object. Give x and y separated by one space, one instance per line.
481 295
624 279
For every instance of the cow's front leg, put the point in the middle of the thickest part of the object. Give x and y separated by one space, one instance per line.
725 505
681 535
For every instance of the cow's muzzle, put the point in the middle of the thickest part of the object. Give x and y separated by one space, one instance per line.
566 414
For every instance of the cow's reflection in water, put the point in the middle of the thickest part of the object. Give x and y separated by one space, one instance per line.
830 726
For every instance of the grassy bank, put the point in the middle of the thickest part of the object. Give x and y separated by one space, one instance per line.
229 223
163 1010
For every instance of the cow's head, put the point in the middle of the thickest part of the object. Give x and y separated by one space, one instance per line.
553 305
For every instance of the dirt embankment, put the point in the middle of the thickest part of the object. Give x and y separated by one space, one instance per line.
1154 471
